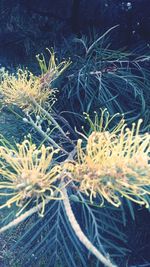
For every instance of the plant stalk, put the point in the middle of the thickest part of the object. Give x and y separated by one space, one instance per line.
82 237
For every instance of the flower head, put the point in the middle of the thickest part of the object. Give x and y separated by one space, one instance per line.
22 88
28 175
30 92
114 164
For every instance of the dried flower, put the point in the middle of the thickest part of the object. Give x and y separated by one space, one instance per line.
52 70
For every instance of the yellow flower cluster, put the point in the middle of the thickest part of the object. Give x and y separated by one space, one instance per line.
114 164
22 89
28 175
30 92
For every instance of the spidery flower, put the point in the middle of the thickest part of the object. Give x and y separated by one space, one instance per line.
22 88
28 175
114 164
30 92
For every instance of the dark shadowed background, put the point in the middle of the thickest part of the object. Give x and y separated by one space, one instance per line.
27 27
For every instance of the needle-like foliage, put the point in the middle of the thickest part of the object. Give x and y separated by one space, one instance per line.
102 77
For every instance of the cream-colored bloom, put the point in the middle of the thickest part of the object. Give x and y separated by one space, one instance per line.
114 164
28 91
22 89
27 175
